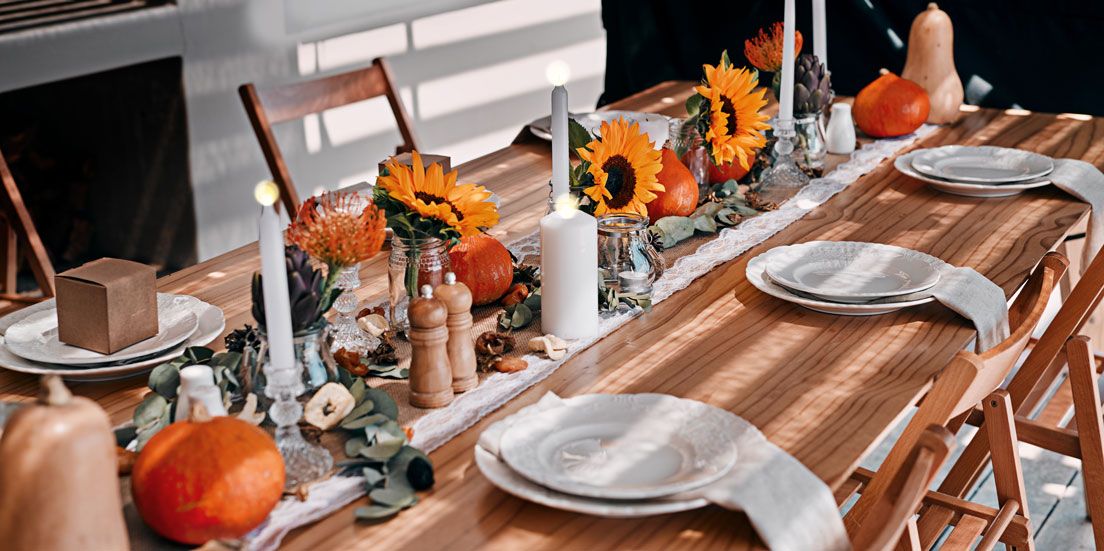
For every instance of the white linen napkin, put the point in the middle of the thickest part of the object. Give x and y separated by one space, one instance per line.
1085 182
789 507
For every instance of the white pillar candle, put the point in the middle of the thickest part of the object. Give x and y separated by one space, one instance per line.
569 273
277 307
785 102
820 33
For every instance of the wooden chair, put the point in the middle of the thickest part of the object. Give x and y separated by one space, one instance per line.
969 380
890 516
295 101
17 230
1058 347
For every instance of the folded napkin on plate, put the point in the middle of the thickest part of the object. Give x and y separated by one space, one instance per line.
973 297
789 507
1085 182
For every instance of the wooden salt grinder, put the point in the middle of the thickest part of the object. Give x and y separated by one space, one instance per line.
430 372
461 352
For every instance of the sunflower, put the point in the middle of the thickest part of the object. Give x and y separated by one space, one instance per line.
734 122
624 165
431 194
764 51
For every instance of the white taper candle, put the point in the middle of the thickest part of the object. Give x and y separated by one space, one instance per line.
281 352
561 164
820 33
785 102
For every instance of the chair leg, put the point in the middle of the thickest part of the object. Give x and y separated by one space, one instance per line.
9 255
1090 428
1007 471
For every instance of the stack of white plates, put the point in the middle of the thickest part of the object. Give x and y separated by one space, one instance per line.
30 341
621 456
845 277
656 126
977 171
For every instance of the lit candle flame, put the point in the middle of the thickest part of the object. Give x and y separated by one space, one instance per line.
558 72
266 193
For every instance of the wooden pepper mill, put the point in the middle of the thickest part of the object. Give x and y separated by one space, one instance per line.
461 352
430 372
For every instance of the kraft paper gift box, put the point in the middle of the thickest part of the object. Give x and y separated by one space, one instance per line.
107 305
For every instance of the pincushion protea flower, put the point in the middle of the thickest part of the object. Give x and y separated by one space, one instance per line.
623 165
729 113
338 228
764 51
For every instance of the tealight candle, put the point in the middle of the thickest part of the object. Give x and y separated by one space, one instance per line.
569 272
281 352
634 282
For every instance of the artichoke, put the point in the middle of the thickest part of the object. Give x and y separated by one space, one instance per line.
309 292
812 85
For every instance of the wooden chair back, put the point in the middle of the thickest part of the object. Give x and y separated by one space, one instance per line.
295 101
968 380
890 515
17 231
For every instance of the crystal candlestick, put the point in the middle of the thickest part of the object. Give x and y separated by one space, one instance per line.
783 179
303 461
346 333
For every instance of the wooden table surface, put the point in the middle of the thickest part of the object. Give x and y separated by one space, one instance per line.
825 388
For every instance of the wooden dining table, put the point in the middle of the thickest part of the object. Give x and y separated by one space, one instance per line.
824 388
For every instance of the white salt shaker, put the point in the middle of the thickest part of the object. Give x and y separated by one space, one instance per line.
841 130
197 384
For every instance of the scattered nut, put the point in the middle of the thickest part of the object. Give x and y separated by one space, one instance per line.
552 346
373 324
329 405
516 294
351 362
124 459
378 310
510 365
249 411
494 344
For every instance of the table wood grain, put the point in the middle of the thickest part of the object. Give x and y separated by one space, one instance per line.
825 388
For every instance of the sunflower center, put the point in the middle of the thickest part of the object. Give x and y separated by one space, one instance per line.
429 198
620 181
728 109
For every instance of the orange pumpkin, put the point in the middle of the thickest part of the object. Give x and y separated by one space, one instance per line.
207 478
730 171
680 191
483 264
890 106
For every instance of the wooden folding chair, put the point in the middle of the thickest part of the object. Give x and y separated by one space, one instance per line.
295 101
889 517
1081 438
17 230
969 380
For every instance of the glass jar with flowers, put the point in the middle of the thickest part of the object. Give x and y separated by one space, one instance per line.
340 230
429 213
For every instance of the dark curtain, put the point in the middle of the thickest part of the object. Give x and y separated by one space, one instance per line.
1039 55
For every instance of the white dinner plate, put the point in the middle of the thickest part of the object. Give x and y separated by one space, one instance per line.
756 272
653 124
211 323
852 272
982 164
903 164
35 337
623 446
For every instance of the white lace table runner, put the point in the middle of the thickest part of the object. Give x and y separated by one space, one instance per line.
441 425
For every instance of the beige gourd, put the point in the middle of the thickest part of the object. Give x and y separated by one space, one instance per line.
58 476
930 63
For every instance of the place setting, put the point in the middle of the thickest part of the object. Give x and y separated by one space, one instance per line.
977 171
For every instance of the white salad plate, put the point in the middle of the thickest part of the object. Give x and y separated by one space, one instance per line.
656 126
626 446
852 272
903 164
35 337
756 272
211 323
982 164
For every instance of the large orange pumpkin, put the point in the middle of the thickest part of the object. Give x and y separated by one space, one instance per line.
726 172
207 478
483 264
890 106
680 191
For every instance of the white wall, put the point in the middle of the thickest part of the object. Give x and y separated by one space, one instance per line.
472 73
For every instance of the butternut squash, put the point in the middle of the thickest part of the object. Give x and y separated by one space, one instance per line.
58 476
930 63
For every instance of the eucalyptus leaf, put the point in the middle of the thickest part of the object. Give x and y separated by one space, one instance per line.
533 301
198 354
388 371
672 229
382 450
153 407
375 512
705 224
362 409
165 380
407 454
392 497
353 445
372 477
521 317
357 389
707 209
361 422
383 403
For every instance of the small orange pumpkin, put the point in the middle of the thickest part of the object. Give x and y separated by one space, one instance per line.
207 478
726 172
483 264
890 106
680 191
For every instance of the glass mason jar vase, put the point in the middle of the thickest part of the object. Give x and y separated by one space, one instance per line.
687 143
312 351
413 262
810 145
626 257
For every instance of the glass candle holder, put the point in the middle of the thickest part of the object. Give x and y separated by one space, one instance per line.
626 257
